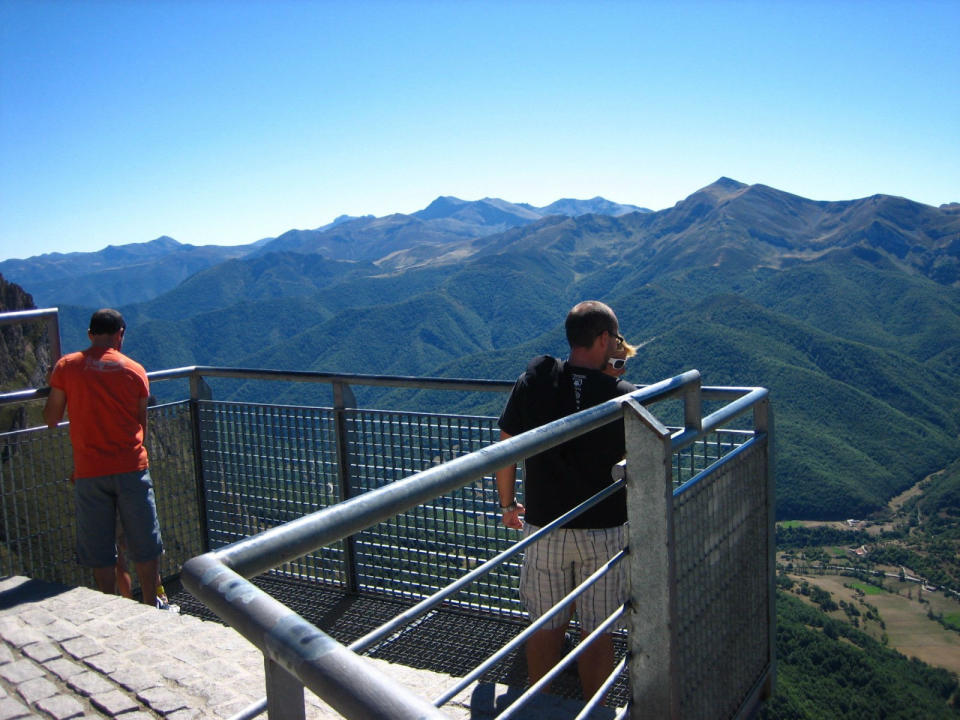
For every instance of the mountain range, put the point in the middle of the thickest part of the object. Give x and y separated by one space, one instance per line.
119 275
848 311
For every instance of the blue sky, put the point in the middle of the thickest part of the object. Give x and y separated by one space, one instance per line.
226 122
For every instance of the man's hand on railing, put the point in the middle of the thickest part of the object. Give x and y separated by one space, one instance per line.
511 515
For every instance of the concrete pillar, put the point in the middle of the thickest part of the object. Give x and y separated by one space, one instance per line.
284 693
652 616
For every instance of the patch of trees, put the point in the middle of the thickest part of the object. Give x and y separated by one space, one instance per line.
804 537
827 668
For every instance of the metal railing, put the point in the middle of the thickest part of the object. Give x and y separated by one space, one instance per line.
415 491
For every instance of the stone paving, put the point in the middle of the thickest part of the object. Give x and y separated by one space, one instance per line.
76 653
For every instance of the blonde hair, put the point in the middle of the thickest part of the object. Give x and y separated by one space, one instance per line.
628 350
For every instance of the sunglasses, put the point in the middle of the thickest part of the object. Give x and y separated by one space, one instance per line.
617 363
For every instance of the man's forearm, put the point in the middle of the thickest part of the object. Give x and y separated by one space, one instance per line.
506 485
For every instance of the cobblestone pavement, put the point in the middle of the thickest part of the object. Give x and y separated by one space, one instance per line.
76 653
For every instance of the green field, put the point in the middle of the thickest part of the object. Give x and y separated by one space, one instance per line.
867 588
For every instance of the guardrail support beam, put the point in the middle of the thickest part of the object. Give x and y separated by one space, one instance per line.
284 693
653 617
343 399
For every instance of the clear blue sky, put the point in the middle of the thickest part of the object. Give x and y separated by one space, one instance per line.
226 122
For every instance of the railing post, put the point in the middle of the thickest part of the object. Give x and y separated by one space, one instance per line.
53 335
284 693
693 408
342 399
199 390
653 617
763 423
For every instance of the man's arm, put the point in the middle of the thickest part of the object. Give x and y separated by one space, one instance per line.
142 415
55 407
506 490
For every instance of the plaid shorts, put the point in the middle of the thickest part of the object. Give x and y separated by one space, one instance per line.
553 566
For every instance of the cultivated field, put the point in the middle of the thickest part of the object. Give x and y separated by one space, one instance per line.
908 628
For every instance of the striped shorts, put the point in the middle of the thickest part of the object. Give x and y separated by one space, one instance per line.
553 566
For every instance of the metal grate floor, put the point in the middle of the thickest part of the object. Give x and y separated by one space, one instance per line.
448 640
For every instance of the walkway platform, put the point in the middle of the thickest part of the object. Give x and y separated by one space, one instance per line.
76 653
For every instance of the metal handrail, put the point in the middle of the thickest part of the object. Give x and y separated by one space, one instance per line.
294 645
202 371
429 383
218 577
251 556
425 605
49 315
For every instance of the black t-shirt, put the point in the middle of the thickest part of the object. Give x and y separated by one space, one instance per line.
559 479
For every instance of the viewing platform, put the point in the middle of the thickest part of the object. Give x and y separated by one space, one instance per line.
358 553
72 653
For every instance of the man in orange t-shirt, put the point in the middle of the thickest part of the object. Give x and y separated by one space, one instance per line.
105 394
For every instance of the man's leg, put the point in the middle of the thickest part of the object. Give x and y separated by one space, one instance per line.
106 579
595 664
138 514
544 581
596 547
543 652
147 575
96 535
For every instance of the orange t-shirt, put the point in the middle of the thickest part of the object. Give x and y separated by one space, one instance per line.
104 389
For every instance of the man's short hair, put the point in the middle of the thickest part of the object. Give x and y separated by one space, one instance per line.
106 321
587 320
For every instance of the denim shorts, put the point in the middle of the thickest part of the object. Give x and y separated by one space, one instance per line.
100 501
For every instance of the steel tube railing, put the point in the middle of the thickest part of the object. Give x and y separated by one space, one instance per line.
281 544
51 316
726 459
534 627
394 381
554 672
598 698
743 403
314 659
453 588
257 554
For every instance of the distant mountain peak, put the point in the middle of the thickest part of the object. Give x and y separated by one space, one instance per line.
729 183
595 205
341 219
443 206
724 189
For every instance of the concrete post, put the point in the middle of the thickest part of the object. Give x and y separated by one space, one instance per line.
284 693
652 616
763 423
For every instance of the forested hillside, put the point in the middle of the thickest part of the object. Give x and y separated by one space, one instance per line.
848 311
828 669
24 356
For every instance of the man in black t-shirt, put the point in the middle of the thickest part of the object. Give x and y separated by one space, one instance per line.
559 479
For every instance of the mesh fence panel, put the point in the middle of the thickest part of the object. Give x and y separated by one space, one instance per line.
427 548
721 554
265 465
37 506
704 452
36 501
